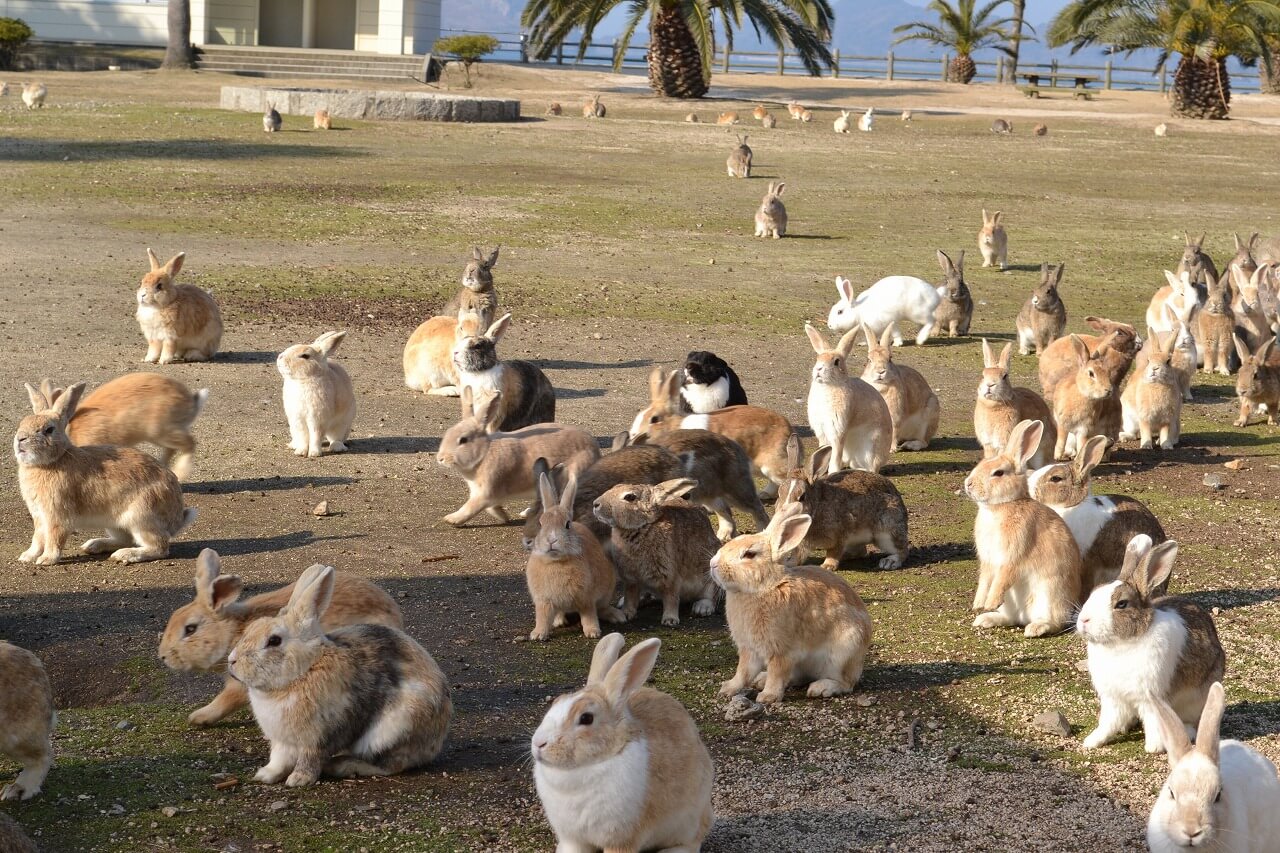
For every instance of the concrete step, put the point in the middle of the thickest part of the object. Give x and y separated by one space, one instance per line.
294 62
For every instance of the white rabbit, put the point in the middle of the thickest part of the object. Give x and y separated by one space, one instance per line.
886 303
864 123
842 123
318 398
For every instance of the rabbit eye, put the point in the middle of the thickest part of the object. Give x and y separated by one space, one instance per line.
273 640
629 497
1217 798
586 719
462 440
749 555
1172 796
836 362
48 430
1055 479
1122 604
568 524
188 630
998 472
305 355
654 419
1091 375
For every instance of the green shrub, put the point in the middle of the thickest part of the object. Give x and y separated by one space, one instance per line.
14 33
467 49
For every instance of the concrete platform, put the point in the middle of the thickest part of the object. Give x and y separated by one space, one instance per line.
371 104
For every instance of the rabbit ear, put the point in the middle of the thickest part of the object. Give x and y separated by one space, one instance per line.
886 338
847 342
657 379
795 452
155 261
1253 241
476 254
570 492
781 187
988 357
208 565
174 266
845 288
1236 237
1135 555
1172 732
1057 272
816 340
671 490
671 387
1006 355
1241 349
468 402
868 337
65 406
48 390
1081 351
631 671
1265 350
788 534
603 658
986 220
1159 565
620 441
487 410
499 328
995 218
311 595
960 263
546 490
1174 281
39 402
329 342
1090 455
945 262
491 260
1208 734
819 461
1024 440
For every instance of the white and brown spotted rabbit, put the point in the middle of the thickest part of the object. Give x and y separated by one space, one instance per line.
527 396
181 322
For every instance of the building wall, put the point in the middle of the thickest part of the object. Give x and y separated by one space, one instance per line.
105 21
421 25
229 22
366 24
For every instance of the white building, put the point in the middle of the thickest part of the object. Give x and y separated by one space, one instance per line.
379 26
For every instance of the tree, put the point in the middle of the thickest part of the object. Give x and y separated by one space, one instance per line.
14 33
1269 72
682 33
177 53
467 49
1019 22
1204 34
964 30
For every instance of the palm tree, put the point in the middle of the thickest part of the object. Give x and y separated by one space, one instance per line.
1019 21
963 30
1204 34
177 52
682 33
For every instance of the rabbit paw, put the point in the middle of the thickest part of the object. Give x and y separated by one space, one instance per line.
591 633
337 447
269 775
457 519
893 561
704 607
48 558
203 717
768 697
990 619
17 792
825 688
539 636
298 779
670 621
731 687
1095 739
1038 629
29 555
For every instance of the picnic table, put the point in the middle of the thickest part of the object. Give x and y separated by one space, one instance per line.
1079 89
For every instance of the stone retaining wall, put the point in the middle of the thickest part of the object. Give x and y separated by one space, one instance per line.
369 104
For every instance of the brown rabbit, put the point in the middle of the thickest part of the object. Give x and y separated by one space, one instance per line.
955 307
1001 406
477 295
739 162
593 108
1258 383
1085 406
1217 325
1195 263
1043 316
26 722
913 407
722 471
1058 361
993 242
322 121
181 322
729 117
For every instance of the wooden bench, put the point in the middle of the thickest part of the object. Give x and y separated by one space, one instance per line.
1080 88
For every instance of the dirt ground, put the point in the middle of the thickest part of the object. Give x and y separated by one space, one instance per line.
618 255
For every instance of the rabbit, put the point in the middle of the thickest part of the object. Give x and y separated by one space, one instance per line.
739 162
759 112
620 766
722 473
662 544
866 120
554 109
794 110
1247 309
806 116
729 117
4 89
33 95
769 122
1000 406
913 406
692 118
181 322
322 121
428 354
1258 382
26 721
1182 297
1196 263
993 241
1162 130
1084 405
1119 344
1001 126
69 488
568 571
361 700
271 120
527 396
1221 796
593 108
1040 130
1216 326
1144 650
844 411
1043 317
771 218
498 465
1102 525
791 625
886 304
842 124
477 295
1244 260
137 408
849 510
762 433
1152 401
200 635
709 384
12 838
954 313
1029 567
319 400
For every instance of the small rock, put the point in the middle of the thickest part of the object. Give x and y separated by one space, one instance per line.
169 811
125 726
1234 465
1054 722
116 809
743 707
865 701
279 806
1215 481
1082 666
321 509
596 336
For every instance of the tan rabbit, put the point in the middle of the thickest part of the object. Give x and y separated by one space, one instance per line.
1258 382
993 242
26 721
498 466
913 407
33 95
568 571
729 117
1058 360
806 116
1001 406
554 109
68 488
1251 320
1185 352
200 635
795 110
1216 326
322 121
759 112
134 409
428 354
1029 569
801 625
181 322
771 218
319 400
1152 400
739 162
1043 317
844 411
769 122
1085 405
593 108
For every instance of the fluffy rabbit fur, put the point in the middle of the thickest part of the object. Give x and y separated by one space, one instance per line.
795 110
887 304
620 766
181 322
26 721
1195 263
568 571
33 95
319 400
498 466
271 120
802 625
728 118
739 162
134 409
527 396
322 120
662 544
993 242
1043 317
771 218
200 635
1216 324
1085 405
1000 406
12 838
844 411
722 473
954 313
759 112
842 123
1183 299
1221 795
849 510
69 488
1258 382
1029 571
1185 353
478 295
913 407
866 120
428 354
1152 401
1102 525
364 700
1059 361
593 108
1146 650
1251 321
709 384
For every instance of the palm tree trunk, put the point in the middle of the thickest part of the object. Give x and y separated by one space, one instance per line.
1201 89
1019 12
962 69
1269 73
177 53
675 63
